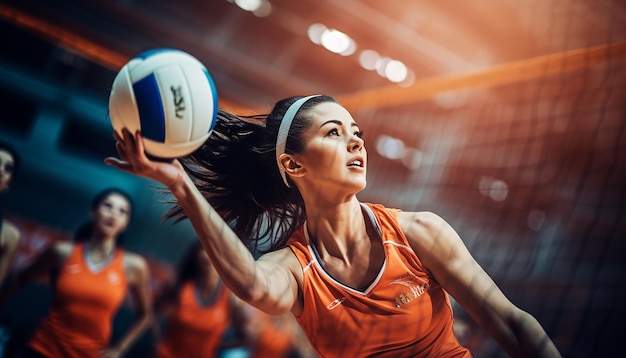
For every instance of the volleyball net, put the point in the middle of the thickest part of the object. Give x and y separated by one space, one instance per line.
527 160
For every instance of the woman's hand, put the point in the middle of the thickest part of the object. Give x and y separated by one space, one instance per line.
133 160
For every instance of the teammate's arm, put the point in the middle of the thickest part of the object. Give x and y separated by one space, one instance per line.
138 276
9 241
39 270
445 255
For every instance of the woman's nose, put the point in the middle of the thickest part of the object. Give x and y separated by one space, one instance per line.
356 143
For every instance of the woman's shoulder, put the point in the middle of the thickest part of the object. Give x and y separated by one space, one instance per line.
285 257
10 234
280 256
56 254
133 260
62 249
419 220
422 228
381 210
135 267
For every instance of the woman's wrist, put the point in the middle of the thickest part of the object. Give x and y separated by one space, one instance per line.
179 188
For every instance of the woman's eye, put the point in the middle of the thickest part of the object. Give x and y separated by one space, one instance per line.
359 134
333 132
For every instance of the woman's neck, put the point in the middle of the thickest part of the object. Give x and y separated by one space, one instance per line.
206 284
99 249
336 229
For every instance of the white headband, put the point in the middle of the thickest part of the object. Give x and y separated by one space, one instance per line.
283 131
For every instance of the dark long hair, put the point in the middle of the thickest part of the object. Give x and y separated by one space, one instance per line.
188 270
237 173
85 230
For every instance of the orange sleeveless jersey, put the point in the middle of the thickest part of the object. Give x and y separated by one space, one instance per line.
194 330
403 313
83 306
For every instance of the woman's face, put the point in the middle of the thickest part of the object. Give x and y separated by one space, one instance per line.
112 215
334 153
7 168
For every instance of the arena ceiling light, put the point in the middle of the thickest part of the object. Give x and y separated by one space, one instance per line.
315 33
260 8
396 71
389 147
368 59
337 42
340 43
493 188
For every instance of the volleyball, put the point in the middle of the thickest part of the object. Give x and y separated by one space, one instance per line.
170 97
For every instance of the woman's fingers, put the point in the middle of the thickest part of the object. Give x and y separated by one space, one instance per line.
121 151
129 142
117 137
133 159
119 164
126 147
131 149
138 142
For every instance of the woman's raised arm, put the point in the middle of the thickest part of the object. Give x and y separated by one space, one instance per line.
268 284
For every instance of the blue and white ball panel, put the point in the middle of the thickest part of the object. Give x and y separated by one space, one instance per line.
173 92
203 96
122 106
142 66
150 107
214 95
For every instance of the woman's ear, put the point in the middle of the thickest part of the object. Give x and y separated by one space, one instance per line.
291 166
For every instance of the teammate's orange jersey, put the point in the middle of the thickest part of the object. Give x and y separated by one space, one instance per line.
275 336
404 312
195 330
84 304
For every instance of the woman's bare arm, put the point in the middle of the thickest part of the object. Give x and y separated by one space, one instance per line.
268 284
9 241
39 270
138 276
445 255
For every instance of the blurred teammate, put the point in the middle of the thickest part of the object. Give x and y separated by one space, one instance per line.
276 336
361 279
90 279
9 234
198 310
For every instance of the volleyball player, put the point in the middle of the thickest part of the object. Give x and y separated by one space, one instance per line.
360 278
274 335
9 234
198 310
91 278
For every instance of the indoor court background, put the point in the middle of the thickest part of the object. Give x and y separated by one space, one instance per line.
512 128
